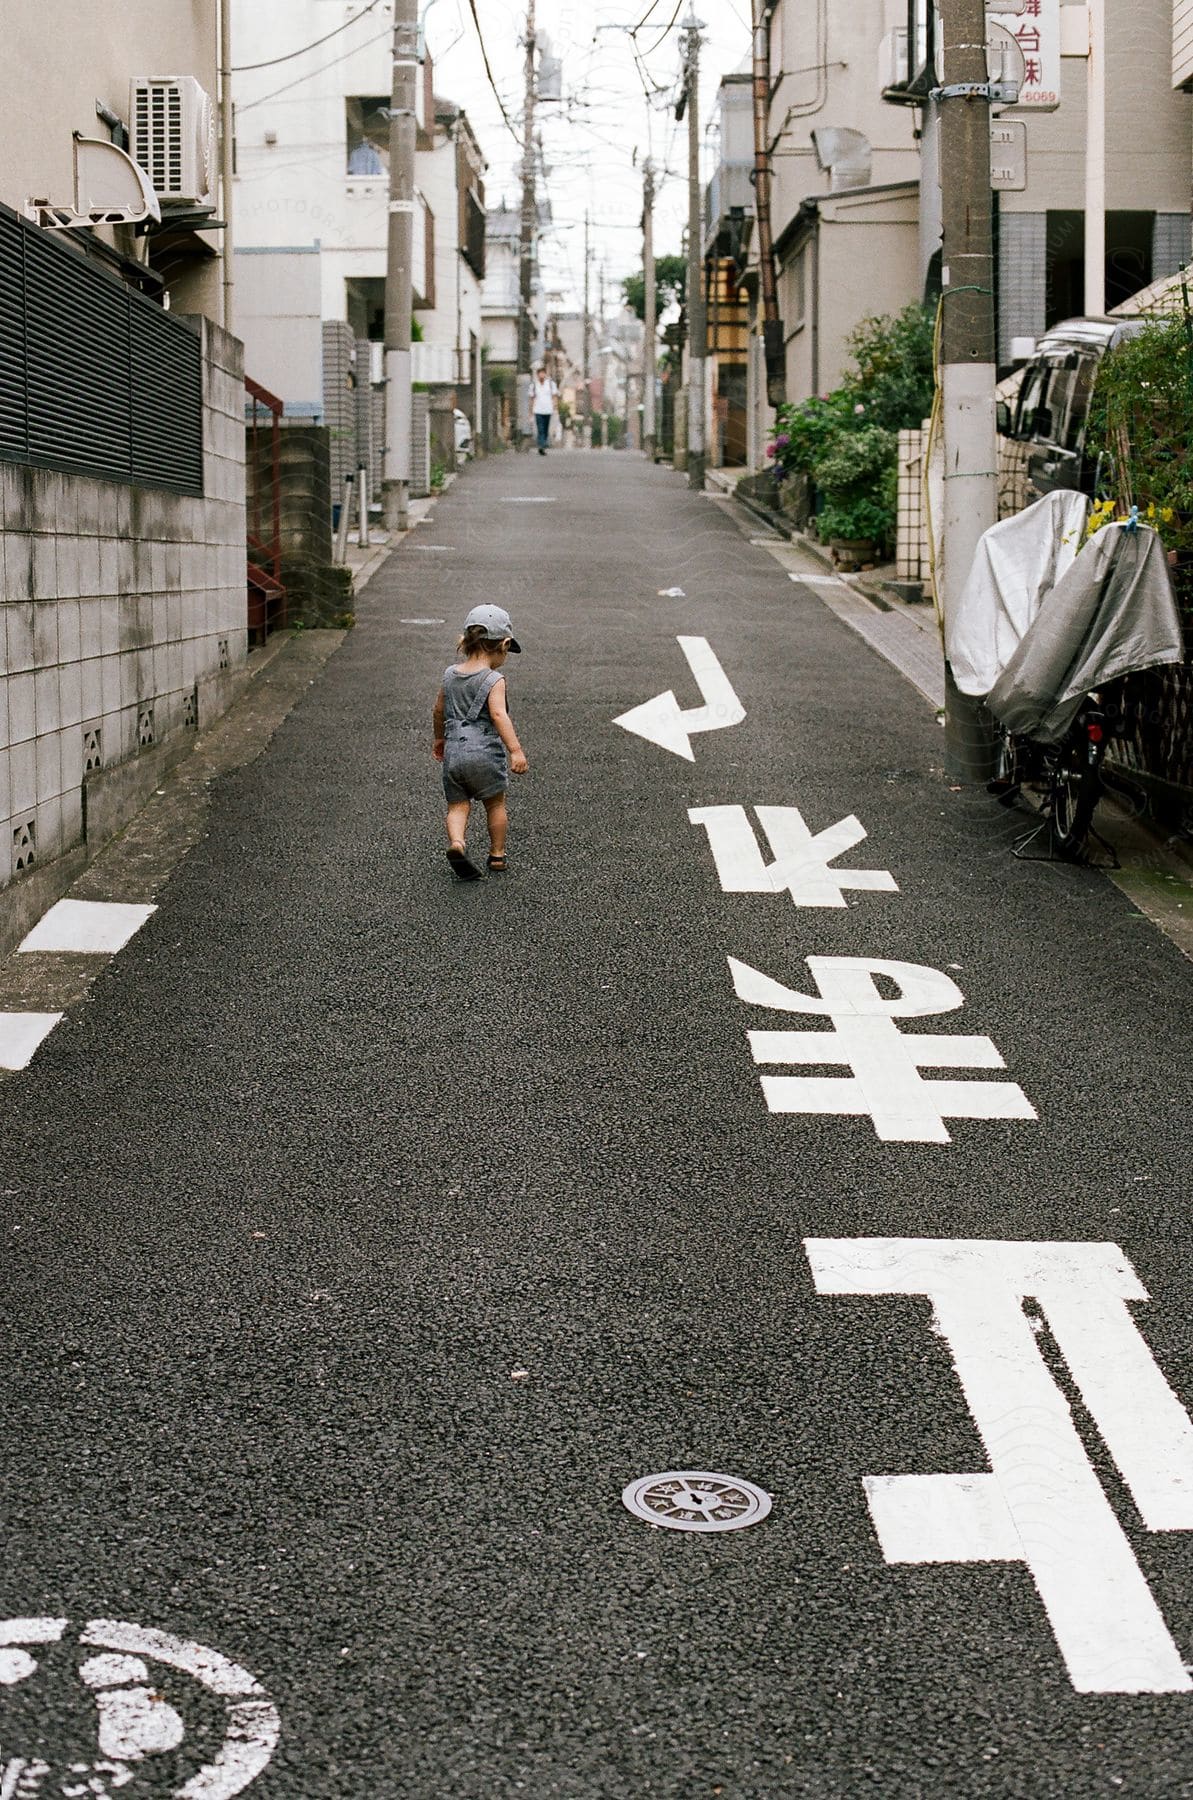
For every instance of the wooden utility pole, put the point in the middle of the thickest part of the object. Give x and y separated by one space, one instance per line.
585 354
649 311
526 244
399 269
774 348
697 322
967 350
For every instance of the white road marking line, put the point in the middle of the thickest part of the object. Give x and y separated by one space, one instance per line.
660 720
22 1035
816 580
1041 1503
87 927
885 1083
801 865
134 1721
529 500
422 621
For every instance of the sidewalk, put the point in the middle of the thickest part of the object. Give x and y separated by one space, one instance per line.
364 563
1156 870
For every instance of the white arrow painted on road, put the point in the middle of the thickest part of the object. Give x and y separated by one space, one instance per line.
661 721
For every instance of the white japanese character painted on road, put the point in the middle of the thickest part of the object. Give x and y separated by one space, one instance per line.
801 859
141 1734
885 1084
1041 1502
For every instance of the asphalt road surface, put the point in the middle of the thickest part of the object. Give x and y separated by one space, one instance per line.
366 1233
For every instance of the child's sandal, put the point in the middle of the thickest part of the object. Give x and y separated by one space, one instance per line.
461 868
496 865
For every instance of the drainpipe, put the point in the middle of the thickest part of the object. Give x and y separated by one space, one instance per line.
772 325
227 311
815 273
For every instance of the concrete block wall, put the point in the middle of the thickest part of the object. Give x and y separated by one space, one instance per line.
339 399
122 616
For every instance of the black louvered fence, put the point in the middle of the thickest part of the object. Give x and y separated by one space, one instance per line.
94 378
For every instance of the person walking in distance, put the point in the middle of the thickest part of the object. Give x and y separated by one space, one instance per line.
475 738
543 401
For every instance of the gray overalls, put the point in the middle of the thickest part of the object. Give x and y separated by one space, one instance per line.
475 764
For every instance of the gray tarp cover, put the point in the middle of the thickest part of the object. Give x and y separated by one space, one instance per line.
1112 613
1016 563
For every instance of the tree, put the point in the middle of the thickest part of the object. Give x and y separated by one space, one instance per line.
671 279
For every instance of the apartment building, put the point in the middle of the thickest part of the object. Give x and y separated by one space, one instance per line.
451 178
846 177
1040 212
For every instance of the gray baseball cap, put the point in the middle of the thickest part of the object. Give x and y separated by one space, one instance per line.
496 624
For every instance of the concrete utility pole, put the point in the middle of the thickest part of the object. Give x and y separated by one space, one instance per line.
650 322
585 354
1095 164
967 354
526 243
228 309
697 323
399 269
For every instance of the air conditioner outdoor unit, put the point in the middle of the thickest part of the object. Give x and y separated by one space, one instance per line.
173 137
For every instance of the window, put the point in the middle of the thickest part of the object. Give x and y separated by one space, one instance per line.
367 120
796 277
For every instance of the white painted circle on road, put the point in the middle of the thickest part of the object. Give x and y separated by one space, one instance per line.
695 1500
139 1713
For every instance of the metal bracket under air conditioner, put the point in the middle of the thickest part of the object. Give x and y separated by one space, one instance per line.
110 189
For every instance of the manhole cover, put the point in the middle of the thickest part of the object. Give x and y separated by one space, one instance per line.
693 1500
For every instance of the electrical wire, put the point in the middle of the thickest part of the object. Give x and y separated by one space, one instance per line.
312 73
270 61
667 29
644 18
480 38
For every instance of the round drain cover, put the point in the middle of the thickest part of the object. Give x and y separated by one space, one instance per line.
693 1500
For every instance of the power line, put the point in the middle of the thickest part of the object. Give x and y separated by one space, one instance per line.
270 61
312 73
667 29
480 38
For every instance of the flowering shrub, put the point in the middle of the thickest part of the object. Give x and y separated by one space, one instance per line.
1141 428
857 481
845 442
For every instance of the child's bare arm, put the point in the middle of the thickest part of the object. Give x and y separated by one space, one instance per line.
505 727
437 726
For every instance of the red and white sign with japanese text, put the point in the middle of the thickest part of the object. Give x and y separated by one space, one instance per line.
1037 31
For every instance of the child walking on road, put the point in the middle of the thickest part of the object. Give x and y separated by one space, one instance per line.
475 738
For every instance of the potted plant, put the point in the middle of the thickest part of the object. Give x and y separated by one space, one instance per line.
857 484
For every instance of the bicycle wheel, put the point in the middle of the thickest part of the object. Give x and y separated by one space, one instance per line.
1072 799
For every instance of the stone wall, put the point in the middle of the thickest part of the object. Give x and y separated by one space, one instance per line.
123 629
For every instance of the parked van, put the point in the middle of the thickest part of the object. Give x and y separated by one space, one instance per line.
1052 410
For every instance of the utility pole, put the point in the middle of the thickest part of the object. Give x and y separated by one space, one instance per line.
774 348
526 245
697 323
585 355
650 307
968 364
227 142
600 325
1095 164
399 269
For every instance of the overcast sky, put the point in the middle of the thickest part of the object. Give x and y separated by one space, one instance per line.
589 142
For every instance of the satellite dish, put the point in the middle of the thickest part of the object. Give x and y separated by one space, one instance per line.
110 189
